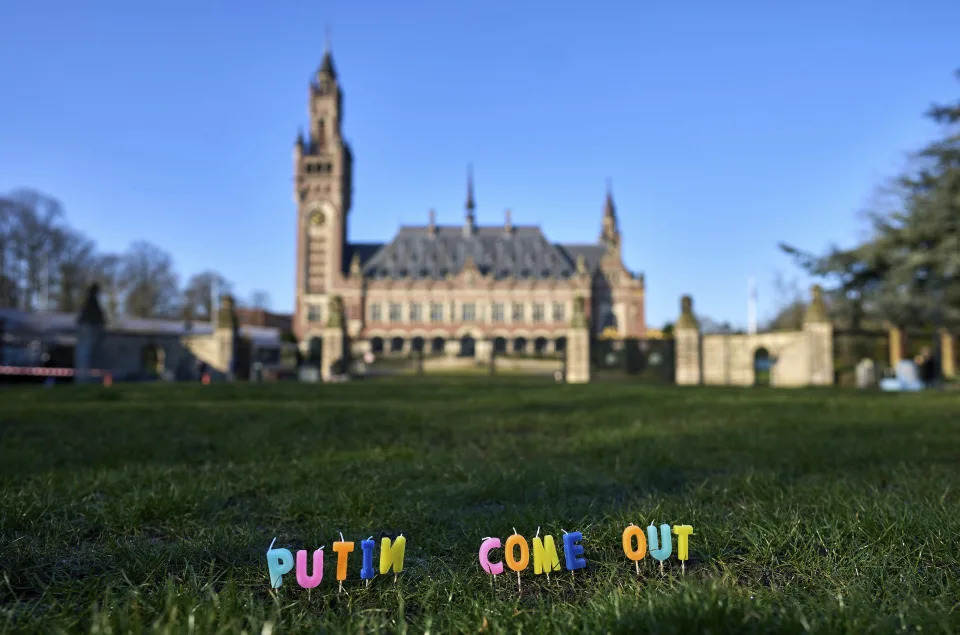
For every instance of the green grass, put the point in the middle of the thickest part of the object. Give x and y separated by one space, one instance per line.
150 507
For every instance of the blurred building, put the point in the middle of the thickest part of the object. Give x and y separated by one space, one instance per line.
460 289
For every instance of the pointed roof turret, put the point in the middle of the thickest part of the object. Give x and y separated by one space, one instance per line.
470 226
610 235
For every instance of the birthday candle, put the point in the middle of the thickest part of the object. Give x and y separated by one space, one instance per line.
493 568
366 570
666 545
514 564
683 533
629 534
342 549
392 556
309 581
573 550
279 561
545 558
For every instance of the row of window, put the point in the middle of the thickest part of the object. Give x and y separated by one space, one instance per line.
320 168
468 312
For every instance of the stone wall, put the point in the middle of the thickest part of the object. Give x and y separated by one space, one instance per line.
799 358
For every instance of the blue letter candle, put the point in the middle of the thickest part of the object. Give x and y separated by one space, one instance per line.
279 561
666 544
573 551
366 571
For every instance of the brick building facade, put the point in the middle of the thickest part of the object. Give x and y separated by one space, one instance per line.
442 289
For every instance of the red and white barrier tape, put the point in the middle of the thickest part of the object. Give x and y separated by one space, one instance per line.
39 371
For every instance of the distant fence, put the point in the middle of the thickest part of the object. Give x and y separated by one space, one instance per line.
637 359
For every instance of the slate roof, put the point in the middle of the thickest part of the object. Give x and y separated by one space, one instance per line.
525 253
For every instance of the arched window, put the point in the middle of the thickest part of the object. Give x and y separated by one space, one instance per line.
761 367
520 345
560 345
467 346
396 345
540 345
499 345
436 345
376 345
417 344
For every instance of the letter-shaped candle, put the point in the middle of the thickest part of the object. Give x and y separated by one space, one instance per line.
517 564
630 534
392 556
683 533
342 549
666 545
573 550
493 568
545 558
279 561
303 579
366 570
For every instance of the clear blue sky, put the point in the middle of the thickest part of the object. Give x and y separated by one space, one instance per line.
725 127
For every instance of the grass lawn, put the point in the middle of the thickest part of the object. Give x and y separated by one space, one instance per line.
143 507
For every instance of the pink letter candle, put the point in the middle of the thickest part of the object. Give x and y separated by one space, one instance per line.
493 568
303 579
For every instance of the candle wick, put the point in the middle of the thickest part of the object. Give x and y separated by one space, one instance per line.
341 536
514 530
271 544
538 533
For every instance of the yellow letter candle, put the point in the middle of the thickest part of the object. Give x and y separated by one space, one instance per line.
545 558
683 533
392 555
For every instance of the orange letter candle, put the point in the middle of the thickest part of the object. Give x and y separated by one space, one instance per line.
342 549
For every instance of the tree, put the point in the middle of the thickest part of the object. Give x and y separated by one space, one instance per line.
260 299
29 225
200 293
149 282
908 271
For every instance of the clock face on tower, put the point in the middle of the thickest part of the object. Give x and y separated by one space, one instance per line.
317 218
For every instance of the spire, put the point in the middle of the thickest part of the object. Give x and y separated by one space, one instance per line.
326 66
470 226
432 226
610 235
508 224
470 203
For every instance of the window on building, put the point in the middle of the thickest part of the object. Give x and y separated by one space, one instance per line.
395 312
468 311
517 313
376 312
314 312
559 314
436 312
496 312
416 312
538 312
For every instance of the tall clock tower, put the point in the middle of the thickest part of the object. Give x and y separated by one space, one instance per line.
322 177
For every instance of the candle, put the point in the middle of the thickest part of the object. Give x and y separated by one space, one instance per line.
516 540
573 550
683 533
279 561
545 558
392 555
303 579
666 545
342 549
366 569
493 568
630 534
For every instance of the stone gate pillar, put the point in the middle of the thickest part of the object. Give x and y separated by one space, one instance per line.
578 345
334 341
897 344
948 354
225 335
688 365
90 329
818 332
